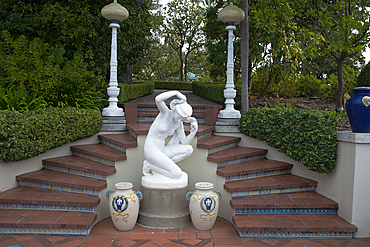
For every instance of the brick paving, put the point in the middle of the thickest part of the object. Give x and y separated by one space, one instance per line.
222 234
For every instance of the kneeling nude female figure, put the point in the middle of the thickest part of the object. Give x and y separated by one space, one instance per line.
161 158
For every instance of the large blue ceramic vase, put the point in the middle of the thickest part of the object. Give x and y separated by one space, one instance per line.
358 110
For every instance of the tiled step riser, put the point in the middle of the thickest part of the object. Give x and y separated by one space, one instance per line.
94 158
114 146
241 194
200 137
58 188
45 231
75 172
148 114
220 148
257 175
148 119
237 161
46 207
243 211
288 234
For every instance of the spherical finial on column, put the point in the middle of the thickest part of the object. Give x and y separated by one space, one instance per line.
114 11
231 13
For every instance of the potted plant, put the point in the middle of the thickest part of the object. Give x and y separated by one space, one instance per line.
358 106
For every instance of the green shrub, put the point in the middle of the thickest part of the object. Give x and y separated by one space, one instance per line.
215 92
307 136
17 99
133 91
363 79
173 85
330 87
28 134
45 72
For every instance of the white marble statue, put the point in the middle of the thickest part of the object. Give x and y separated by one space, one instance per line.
162 158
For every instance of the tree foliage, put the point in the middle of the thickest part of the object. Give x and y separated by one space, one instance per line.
183 30
43 73
341 26
78 26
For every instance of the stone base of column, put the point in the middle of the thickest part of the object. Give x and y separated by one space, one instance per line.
113 124
230 125
163 207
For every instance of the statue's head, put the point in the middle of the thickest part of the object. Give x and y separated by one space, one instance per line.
183 110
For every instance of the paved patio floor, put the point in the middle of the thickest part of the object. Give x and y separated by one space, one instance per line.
222 234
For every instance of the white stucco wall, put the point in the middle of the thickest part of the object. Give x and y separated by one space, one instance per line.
348 184
9 170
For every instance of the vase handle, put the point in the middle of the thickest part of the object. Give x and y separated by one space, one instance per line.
219 194
109 192
139 195
189 195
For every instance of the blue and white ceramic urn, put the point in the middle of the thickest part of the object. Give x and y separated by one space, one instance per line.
203 205
124 206
358 110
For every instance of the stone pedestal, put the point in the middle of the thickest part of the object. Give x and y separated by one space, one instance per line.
164 204
230 125
113 124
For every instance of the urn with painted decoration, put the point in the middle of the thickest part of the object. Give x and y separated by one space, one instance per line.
358 110
124 206
203 205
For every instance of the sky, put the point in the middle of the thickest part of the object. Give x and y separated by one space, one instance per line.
367 55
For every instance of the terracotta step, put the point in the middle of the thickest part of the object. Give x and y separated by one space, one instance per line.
34 198
203 131
270 185
143 129
300 202
235 155
254 168
60 181
118 141
293 225
99 152
150 117
216 143
79 166
20 221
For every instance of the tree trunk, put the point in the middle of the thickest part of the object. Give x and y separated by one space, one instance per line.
186 67
181 67
338 98
244 55
126 76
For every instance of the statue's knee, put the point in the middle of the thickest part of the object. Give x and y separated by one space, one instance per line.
189 150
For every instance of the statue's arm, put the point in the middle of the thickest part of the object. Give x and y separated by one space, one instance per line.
193 130
159 100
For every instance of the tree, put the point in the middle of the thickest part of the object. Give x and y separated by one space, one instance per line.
244 55
157 65
342 27
182 29
78 26
272 43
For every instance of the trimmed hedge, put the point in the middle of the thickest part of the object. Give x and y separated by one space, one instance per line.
307 136
363 79
26 135
215 92
133 91
173 85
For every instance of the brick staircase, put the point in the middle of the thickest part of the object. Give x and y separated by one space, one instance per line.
266 199
62 197
269 201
